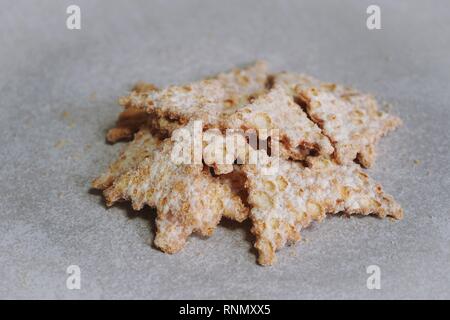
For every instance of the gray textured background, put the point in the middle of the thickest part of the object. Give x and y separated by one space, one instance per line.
49 219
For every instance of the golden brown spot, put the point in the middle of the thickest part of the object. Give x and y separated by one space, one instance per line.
179 186
262 200
331 117
314 209
357 122
143 87
300 217
363 175
282 183
375 203
243 80
345 192
269 186
262 121
275 224
228 103
378 189
329 86
187 88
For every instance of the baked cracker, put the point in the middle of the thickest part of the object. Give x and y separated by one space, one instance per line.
130 120
132 154
294 196
187 198
208 100
352 120
298 136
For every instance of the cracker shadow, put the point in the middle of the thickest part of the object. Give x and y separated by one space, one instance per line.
148 214
343 215
245 227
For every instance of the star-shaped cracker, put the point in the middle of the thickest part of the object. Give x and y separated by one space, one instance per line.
187 197
264 122
130 120
143 146
276 111
243 84
238 99
207 100
350 119
294 195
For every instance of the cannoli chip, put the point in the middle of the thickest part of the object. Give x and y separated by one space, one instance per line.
352 120
187 198
130 120
133 153
276 111
294 196
243 84
208 100
280 149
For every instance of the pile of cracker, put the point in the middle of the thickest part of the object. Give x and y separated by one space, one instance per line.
313 141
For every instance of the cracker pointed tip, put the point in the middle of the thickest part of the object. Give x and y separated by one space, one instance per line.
95 184
100 183
398 214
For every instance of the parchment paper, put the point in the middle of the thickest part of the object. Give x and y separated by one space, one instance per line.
58 92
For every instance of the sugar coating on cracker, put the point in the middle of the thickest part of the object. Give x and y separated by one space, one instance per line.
324 125
209 100
243 84
350 119
295 195
276 111
132 154
187 198
220 151
130 120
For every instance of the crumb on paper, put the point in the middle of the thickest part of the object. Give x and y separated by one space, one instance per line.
76 156
65 114
387 107
93 97
60 143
